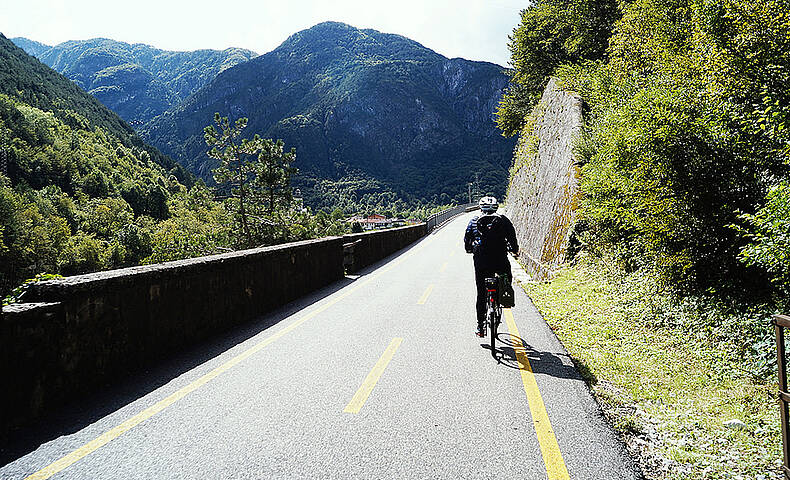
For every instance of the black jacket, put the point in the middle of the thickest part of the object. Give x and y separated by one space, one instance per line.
490 250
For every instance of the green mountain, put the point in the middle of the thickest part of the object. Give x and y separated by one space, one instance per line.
372 115
136 81
79 190
26 79
32 47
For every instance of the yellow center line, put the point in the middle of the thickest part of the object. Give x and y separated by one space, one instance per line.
552 458
443 267
424 297
356 403
149 412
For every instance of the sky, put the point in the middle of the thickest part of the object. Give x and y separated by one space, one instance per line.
471 29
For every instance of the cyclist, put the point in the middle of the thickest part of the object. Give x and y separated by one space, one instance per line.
489 237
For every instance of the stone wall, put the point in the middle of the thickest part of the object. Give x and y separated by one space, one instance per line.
73 335
542 195
370 247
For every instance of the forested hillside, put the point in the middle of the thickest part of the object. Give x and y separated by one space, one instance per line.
138 82
25 78
687 128
379 121
80 192
684 218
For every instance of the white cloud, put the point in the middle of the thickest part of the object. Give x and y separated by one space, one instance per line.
476 30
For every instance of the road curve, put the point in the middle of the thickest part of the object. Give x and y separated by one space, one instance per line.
377 376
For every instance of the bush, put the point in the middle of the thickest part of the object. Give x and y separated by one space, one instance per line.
769 233
682 138
81 254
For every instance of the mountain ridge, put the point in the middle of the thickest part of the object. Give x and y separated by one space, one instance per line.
137 81
380 105
27 79
31 47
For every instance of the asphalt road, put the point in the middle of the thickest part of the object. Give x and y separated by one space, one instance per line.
276 399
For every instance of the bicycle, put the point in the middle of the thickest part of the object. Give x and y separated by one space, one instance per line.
493 309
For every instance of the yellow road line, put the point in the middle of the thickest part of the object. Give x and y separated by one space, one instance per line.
424 297
443 267
149 412
552 458
356 403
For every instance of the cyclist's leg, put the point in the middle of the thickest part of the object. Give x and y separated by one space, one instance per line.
504 267
480 276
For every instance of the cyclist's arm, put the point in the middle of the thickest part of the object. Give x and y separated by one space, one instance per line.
469 236
510 236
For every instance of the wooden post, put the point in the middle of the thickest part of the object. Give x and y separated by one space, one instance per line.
780 322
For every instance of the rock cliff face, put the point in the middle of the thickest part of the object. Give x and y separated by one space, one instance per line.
542 194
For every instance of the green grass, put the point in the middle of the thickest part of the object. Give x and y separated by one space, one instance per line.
665 389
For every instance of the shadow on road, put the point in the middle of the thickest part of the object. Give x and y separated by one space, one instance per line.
80 413
94 406
540 362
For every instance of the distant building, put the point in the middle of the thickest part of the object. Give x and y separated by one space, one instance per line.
375 222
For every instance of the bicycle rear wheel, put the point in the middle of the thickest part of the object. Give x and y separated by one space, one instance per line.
493 323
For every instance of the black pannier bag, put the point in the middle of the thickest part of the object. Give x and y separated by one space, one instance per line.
507 297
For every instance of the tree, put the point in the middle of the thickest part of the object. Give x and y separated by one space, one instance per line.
258 174
235 169
686 130
273 174
552 33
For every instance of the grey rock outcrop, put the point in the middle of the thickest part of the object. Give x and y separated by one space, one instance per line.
542 195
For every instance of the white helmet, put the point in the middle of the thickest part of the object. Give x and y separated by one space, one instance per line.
488 204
